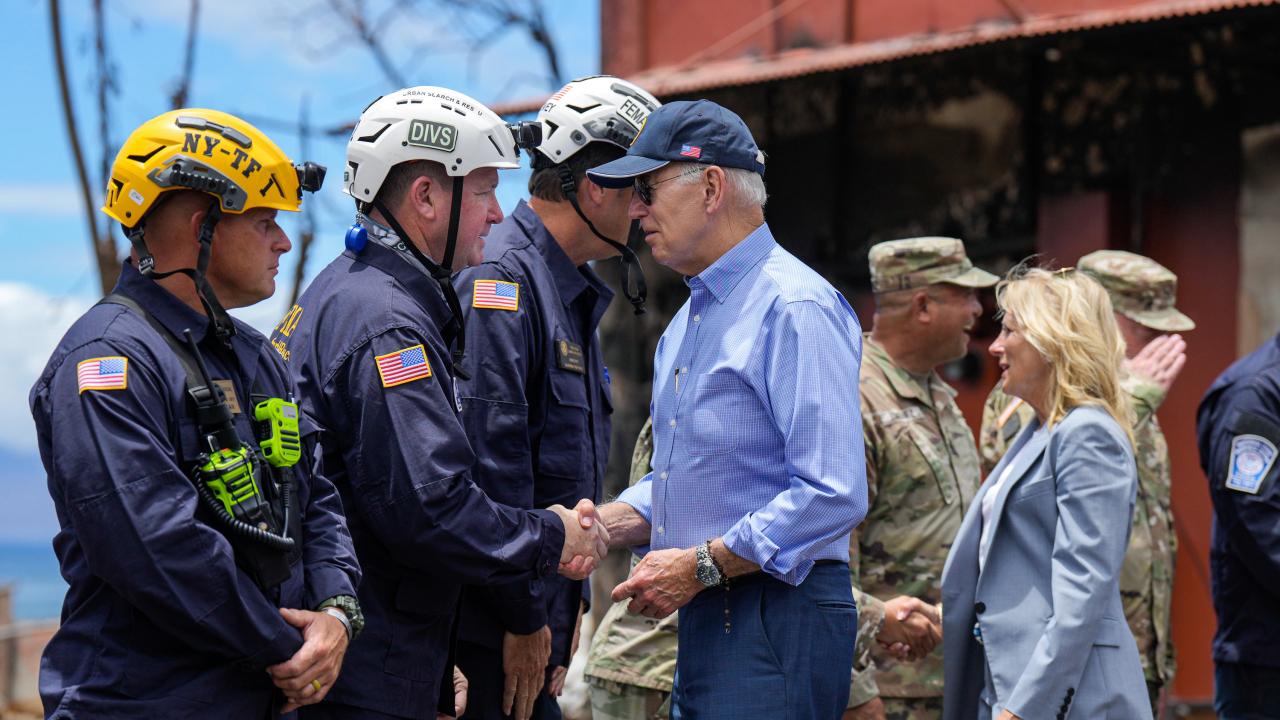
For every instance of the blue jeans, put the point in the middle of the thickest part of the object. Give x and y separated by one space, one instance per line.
787 654
1246 692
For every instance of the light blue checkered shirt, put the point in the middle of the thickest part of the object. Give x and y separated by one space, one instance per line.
756 428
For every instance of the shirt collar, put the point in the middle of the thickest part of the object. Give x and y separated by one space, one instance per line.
571 281
902 382
388 238
176 316
723 275
163 305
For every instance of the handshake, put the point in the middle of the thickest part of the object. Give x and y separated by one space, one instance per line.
586 540
912 628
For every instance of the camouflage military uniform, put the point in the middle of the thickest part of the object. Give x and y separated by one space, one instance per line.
922 473
632 660
1143 291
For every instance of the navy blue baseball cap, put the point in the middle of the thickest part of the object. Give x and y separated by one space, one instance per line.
697 131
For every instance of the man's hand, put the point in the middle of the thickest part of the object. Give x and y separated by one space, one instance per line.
586 540
872 709
1006 715
1160 361
307 677
912 628
459 695
663 582
556 687
524 663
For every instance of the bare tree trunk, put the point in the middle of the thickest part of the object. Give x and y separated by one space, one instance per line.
540 33
307 235
104 248
183 89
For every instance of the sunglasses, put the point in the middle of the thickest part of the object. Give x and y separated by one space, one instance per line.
644 188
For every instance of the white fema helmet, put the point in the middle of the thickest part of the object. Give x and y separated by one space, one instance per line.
601 108
424 123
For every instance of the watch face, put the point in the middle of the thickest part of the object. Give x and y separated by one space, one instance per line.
707 573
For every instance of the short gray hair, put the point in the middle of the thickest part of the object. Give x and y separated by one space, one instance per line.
746 186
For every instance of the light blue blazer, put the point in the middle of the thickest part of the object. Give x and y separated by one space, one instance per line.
1048 598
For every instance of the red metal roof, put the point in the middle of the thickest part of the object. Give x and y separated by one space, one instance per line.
678 80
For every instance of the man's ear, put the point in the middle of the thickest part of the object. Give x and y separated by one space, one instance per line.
715 188
591 193
920 307
423 197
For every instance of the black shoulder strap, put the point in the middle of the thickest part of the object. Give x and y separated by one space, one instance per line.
184 355
194 380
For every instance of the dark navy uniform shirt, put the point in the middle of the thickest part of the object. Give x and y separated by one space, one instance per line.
371 366
159 621
537 407
1238 425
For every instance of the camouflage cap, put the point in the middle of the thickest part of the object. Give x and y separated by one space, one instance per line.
917 262
1141 289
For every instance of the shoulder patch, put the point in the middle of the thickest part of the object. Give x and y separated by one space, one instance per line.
1251 459
104 373
402 366
495 295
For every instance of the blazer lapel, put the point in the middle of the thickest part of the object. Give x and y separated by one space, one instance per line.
964 549
1028 448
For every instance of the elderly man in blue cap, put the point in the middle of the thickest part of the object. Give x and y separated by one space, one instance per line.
757 475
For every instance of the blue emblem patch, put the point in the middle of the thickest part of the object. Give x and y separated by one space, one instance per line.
1251 459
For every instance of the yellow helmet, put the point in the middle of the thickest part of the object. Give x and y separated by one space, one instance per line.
208 151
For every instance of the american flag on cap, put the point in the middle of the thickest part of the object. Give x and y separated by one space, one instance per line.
104 373
403 366
495 295
692 151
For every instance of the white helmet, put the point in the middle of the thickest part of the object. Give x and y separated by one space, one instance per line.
424 123
601 108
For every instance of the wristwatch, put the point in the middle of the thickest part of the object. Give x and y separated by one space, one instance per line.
351 608
708 571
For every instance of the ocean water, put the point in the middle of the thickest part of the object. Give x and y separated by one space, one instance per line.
31 569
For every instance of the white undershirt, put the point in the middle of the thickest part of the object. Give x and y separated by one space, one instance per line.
989 499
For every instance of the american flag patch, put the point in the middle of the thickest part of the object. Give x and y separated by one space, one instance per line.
495 295
403 366
692 151
104 373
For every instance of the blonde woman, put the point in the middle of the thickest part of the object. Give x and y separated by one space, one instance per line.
1031 602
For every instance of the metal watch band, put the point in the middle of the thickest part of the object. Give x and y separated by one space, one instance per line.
342 617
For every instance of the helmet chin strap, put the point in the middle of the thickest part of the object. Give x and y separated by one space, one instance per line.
454 331
636 293
220 321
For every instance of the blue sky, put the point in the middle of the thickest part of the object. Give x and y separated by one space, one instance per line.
257 58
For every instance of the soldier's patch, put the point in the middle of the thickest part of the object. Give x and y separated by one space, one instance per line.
1251 459
403 366
495 295
104 373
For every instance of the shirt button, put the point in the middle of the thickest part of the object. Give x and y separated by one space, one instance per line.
697 318
664 475
672 422
661 529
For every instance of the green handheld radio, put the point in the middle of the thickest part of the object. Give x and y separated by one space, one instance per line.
281 441
226 479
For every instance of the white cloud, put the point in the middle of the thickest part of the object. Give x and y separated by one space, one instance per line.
41 199
32 322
